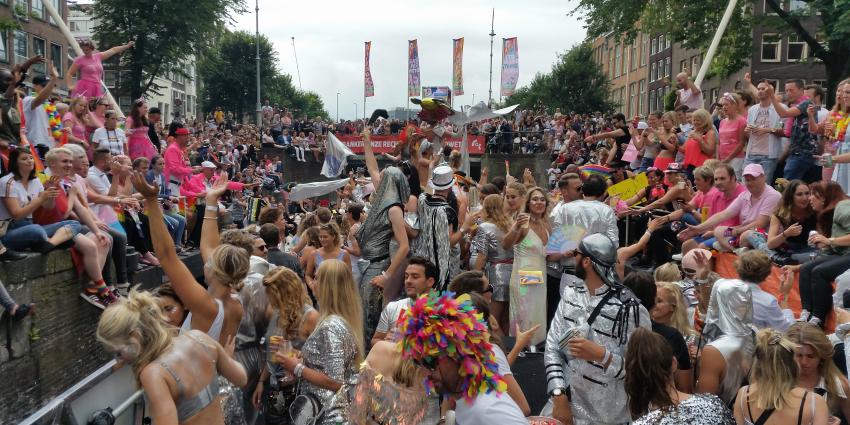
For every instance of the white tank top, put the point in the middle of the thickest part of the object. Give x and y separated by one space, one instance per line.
215 329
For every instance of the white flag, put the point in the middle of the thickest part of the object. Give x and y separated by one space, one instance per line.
336 156
312 190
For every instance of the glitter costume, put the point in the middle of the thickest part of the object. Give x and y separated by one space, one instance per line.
597 394
488 241
528 300
332 350
437 219
729 329
700 409
374 237
281 385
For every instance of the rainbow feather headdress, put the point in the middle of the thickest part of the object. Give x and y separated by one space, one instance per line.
438 325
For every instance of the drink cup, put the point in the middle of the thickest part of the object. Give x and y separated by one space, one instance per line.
525 224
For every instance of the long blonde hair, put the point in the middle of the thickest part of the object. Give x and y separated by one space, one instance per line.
338 295
494 212
803 333
286 294
679 320
667 272
229 265
774 370
138 314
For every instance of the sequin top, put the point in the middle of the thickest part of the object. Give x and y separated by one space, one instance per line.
700 409
332 350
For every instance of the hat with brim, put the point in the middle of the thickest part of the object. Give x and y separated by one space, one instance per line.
442 178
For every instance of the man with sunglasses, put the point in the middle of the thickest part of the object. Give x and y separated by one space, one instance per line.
587 340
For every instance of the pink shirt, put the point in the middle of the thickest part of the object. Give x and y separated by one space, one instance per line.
729 140
748 209
715 201
176 166
78 129
198 184
91 68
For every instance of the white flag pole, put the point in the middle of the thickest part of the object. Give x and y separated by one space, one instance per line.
57 18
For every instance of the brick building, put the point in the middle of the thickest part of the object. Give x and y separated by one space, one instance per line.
36 35
625 64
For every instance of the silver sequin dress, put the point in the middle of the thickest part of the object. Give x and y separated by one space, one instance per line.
332 350
488 241
700 409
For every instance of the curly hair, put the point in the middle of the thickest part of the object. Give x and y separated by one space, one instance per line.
494 212
286 295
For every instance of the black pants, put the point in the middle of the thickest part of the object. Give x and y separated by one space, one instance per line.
660 243
138 233
816 283
553 296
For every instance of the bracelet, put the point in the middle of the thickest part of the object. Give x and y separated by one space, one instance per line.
299 370
606 358
648 233
213 208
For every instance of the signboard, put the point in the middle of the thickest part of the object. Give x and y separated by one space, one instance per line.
385 144
443 93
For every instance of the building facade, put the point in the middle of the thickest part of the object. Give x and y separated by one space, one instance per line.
30 31
177 95
626 65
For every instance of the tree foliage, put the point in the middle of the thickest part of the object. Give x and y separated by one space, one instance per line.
166 32
575 84
228 74
693 23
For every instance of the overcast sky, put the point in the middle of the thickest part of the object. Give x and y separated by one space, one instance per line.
330 35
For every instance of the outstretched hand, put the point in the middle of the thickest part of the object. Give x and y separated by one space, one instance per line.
218 189
142 186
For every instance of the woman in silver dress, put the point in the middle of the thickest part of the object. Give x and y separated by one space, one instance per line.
489 255
332 353
653 397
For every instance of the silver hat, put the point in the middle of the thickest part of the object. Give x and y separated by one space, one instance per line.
602 252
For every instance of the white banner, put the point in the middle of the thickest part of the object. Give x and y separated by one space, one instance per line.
303 191
336 156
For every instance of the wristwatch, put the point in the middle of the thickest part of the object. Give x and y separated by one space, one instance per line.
557 392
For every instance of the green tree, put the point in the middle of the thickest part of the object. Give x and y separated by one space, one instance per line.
575 84
693 23
228 73
166 32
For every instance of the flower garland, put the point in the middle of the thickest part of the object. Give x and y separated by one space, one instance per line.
54 120
842 120
437 326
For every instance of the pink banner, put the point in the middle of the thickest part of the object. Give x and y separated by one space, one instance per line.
385 144
368 85
510 65
457 67
414 85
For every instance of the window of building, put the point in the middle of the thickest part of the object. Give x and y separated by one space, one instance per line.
661 42
652 71
110 78
652 100
797 49
632 100
622 97
633 57
654 47
641 97
21 47
694 65
124 102
767 9
683 65
771 47
821 83
644 50
667 66
624 62
56 6
618 59
798 6
56 56
37 9
667 42
38 48
4 45
660 68
714 95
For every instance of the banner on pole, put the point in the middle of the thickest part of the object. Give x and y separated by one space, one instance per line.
413 82
369 86
457 67
386 144
510 65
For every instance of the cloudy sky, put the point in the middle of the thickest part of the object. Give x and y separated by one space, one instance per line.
330 35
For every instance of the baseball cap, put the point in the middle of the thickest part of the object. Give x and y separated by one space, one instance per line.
754 170
182 131
207 164
40 80
689 261
641 125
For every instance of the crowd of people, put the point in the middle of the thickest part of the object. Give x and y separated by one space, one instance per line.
408 294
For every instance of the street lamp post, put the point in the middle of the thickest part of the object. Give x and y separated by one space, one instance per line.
259 107
337 107
356 114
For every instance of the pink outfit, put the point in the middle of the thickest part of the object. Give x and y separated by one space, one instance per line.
748 210
91 72
78 129
198 184
729 140
176 165
716 201
138 141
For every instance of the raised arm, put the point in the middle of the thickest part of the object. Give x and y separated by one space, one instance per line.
69 76
45 93
209 232
191 293
369 157
116 50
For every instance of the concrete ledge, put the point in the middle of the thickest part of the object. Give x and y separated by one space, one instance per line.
51 350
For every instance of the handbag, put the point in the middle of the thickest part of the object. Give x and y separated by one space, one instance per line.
305 408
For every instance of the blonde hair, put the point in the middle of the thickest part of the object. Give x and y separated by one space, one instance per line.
286 294
711 164
54 153
337 294
803 333
674 297
137 314
774 370
705 117
668 272
229 265
333 230
519 188
494 212
671 115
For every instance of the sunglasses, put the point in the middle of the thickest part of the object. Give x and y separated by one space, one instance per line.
688 271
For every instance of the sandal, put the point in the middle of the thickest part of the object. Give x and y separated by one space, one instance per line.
23 311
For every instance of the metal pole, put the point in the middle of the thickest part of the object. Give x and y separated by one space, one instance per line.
473 99
356 114
259 107
364 107
57 19
297 69
492 34
709 55
337 107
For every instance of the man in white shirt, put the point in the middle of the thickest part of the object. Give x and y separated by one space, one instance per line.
37 122
754 267
765 129
463 345
419 278
688 93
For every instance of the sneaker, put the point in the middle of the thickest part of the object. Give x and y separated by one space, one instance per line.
93 299
677 257
122 287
